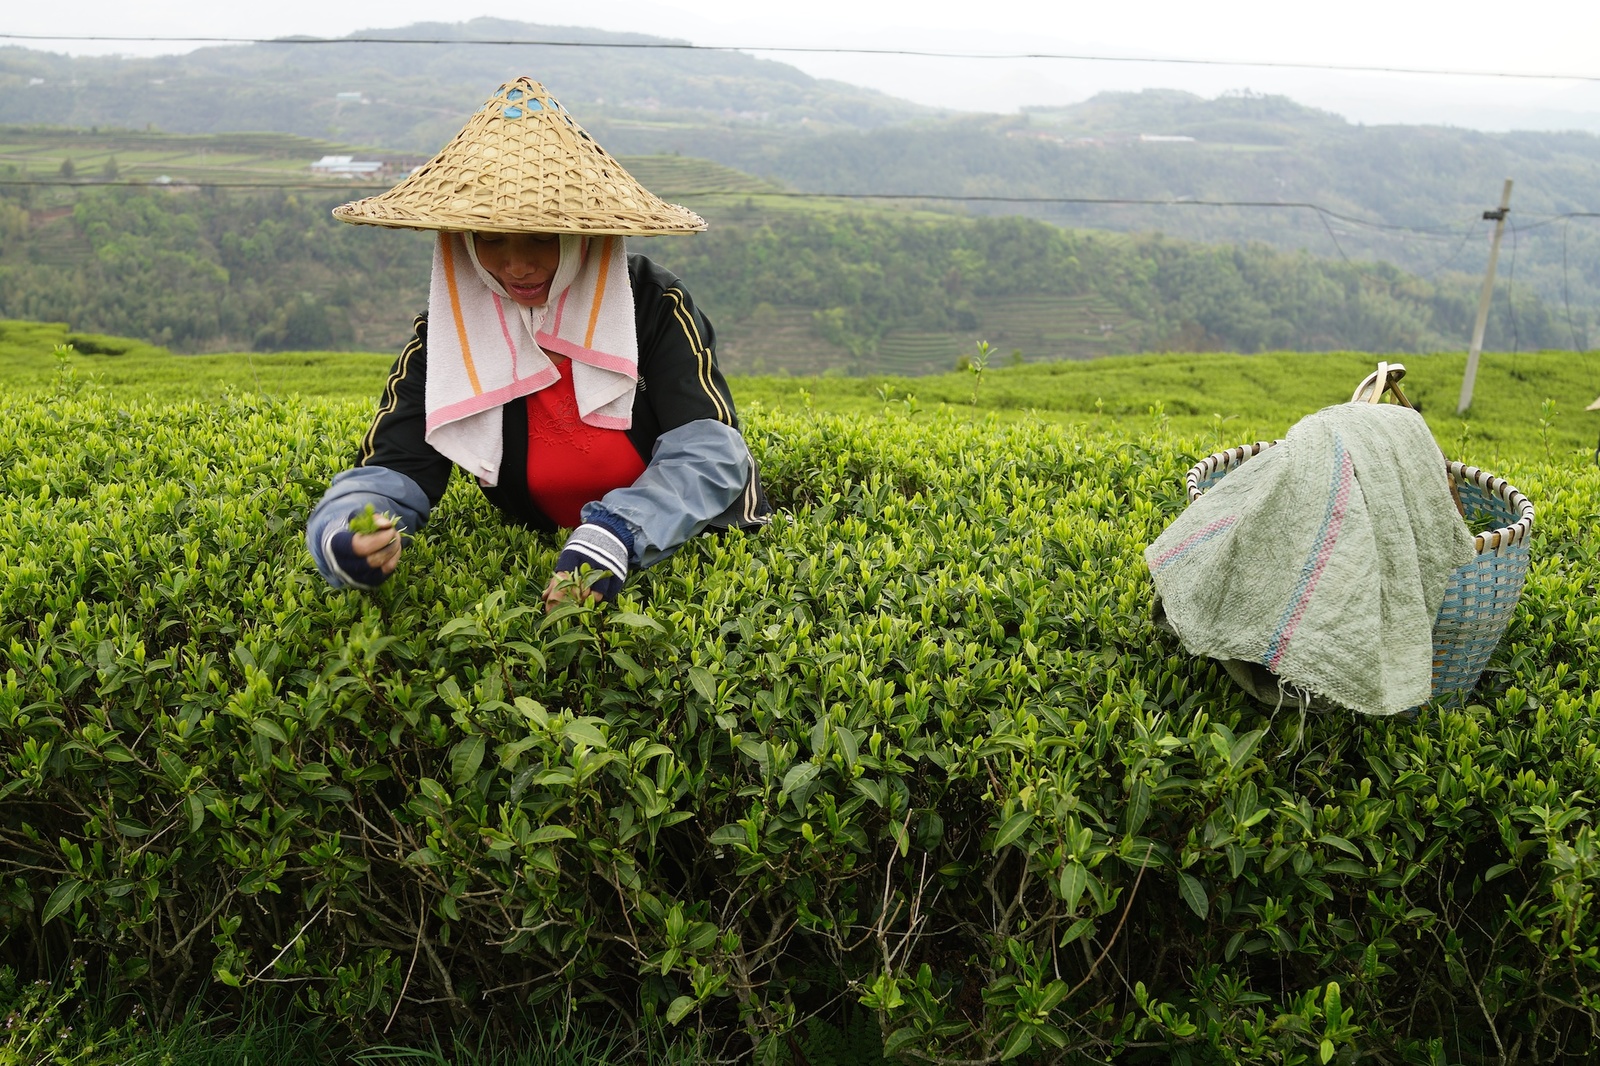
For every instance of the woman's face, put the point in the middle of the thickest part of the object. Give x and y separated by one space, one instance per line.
523 263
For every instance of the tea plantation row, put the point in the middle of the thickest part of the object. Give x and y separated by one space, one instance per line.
1525 403
917 746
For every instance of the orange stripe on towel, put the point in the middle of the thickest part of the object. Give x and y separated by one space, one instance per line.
599 292
448 255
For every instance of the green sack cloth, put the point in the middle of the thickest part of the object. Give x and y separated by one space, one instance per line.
1315 570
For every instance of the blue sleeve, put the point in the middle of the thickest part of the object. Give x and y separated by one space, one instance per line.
696 472
389 491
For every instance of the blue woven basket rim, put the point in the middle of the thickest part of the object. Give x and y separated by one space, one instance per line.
1517 532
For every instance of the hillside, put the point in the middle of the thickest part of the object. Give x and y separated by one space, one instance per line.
795 284
1424 187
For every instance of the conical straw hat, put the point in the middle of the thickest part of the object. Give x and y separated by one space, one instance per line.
522 165
1594 406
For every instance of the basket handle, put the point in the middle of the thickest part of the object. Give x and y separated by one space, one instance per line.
1384 379
1387 379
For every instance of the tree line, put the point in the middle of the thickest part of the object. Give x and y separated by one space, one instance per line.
211 270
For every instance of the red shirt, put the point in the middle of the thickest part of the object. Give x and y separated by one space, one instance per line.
571 463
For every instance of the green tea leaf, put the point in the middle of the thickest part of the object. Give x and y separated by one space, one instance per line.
366 521
1013 828
465 758
1194 894
62 898
1020 1040
679 1009
703 683
580 731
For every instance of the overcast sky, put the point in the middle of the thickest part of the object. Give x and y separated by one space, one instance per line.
1533 36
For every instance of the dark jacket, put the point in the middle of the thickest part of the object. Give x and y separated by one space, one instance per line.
681 392
679 382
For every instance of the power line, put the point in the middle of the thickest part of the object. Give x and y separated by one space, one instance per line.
1113 201
1334 238
1550 220
684 46
1438 268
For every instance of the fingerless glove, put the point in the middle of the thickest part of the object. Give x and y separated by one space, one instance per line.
605 543
353 569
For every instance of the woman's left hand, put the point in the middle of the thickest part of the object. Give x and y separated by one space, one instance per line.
564 587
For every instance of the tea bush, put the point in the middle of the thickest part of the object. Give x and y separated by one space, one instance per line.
917 747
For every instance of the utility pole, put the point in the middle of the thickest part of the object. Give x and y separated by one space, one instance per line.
1499 218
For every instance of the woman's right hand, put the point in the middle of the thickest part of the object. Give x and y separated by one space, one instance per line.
380 548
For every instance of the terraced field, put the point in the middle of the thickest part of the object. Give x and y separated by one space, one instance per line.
187 158
1048 327
778 340
916 352
53 239
148 156
682 176
1044 328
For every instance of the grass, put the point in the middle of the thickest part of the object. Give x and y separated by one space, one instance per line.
64 1024
137 370
1528 404
226 1042
1524 404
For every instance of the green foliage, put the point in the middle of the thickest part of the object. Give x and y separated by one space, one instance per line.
197 271
860 291
65 1024
919 743
1520 409
39 1020
1260 150
570 1041
135 370
869 278
1233 399
20 341
366 521
977 364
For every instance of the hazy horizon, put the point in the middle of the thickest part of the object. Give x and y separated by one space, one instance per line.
1361 32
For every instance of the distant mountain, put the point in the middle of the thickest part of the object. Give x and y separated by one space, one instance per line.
1408 195
412 97
1236 118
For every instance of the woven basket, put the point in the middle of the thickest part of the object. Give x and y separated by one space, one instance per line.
1481 595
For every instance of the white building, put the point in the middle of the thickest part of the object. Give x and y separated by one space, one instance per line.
345 166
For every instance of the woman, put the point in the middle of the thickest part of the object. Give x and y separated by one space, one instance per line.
577 383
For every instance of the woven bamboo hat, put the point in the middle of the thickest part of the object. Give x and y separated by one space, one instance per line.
522 165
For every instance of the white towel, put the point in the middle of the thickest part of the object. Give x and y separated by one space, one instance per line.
480 359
